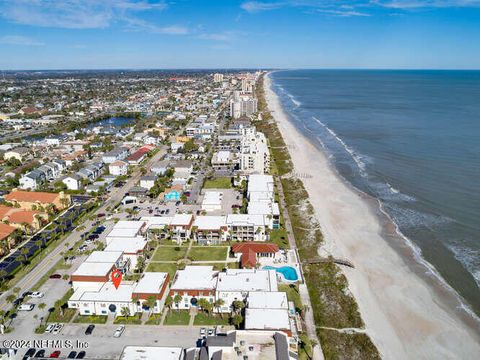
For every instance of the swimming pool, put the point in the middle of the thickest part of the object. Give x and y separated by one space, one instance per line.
289 273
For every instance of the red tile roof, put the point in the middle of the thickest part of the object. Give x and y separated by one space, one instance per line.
31 196
5 231
249 252
137 155
17 216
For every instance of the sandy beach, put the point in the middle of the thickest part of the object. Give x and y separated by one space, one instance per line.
407 312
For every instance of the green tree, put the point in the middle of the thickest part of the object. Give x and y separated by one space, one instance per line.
237 320
151 302
125 312
218 304
177 299
169 302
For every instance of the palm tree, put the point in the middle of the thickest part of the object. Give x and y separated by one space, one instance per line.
218 304
176 299
237 320
24 251
238 305
169 302
151 302
125 312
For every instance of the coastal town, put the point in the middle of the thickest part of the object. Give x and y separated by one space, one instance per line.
148 217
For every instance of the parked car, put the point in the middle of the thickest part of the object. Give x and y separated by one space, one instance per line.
202 331
119 331
81 355
93 237
167 211
210 332
99 215
55 354
26 307
82 248
37 294
72 355
18 301
89 329
55 276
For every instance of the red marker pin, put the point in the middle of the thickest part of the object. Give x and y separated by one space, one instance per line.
116 277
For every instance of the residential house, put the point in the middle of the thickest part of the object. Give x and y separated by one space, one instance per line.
7 238
118 168
119 153
147 181
73 182
27 220
249 252
19 153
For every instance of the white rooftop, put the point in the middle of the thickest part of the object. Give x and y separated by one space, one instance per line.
126 232
151 352
263 208
93 269
195 278
107 293
127 246
212 198
266 319
127 224
247 280
259 182
210 222
245 219
267 300
157 221
151 283
104 257
181 219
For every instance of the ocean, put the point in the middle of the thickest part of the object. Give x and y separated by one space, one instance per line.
410 139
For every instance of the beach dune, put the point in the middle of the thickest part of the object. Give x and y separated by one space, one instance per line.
408 313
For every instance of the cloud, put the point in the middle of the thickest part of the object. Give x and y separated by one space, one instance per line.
19 40
343 13
81 14
257 6
417 4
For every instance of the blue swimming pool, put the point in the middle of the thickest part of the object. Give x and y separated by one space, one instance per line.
289 273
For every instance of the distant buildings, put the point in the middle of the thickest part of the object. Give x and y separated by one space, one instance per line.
218 78
242 105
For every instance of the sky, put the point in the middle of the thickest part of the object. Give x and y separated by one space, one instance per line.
157 34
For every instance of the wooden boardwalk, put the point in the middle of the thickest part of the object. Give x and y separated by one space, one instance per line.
343 262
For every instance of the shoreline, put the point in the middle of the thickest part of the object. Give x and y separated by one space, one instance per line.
405 315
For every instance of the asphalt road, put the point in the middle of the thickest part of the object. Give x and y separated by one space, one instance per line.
52 258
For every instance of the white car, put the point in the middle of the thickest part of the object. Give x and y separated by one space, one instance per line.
57 328
26 307
202 331
37 294
49 328
119 331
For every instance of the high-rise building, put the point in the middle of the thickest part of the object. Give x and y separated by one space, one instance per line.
218 78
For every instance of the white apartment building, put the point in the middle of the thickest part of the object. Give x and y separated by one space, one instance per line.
242 105
254 153
217 77
237 284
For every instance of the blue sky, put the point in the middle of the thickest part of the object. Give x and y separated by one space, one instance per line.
72 34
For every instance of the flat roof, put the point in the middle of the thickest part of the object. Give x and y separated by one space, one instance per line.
210 222
245 219
151 352
93 269
181 219
266 319
127 246
247 280
107 293
267 300
260 182
104 257
151 283
128 232
212 198
195 278
157 221
126 224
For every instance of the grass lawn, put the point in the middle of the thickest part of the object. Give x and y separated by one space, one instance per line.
292 294
169 253
280 237
218 183
57 316
135 320
90 319
207 253
168 268
203 319
181 317
154 319
216 266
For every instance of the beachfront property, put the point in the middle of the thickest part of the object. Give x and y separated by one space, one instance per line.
242 105
245 227
250 253
236 284
261 196
254 153
131 295
192 284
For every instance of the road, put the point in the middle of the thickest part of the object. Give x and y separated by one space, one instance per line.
101 344
52 258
